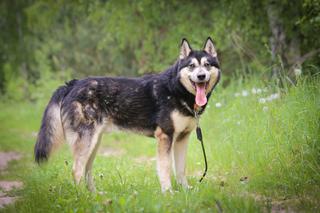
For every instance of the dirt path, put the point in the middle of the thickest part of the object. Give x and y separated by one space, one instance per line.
111 152
6 157
144 160
5 185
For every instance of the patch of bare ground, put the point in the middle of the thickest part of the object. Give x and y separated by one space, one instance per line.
144 160
111 152
6 157
6 201
10 185
276 205
7 186
284 206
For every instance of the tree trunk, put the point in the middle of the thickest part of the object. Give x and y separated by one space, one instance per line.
277 39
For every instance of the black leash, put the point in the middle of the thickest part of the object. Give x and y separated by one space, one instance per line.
195 112
199 137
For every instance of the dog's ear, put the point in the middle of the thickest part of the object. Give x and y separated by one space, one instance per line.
209 47
185 49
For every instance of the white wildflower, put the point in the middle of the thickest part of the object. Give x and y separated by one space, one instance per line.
262 100
238 123
226 120
218 105
265 108
269 98
259 91
275 96
297 71
245 93
254 90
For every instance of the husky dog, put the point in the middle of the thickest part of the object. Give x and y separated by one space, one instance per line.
157 105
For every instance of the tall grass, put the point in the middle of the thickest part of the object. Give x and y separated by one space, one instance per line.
262 150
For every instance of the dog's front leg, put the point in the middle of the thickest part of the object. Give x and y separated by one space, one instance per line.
179 155
164 159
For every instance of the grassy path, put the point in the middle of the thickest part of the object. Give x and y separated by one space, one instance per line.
262 145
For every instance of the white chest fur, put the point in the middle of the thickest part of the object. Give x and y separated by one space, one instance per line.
182 123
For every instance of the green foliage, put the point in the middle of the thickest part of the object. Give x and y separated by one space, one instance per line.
76 39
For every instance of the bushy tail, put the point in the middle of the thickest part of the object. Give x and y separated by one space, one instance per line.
51 131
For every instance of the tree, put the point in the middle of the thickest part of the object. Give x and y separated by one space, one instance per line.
64 39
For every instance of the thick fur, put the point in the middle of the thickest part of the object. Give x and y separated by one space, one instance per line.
155 105
51 131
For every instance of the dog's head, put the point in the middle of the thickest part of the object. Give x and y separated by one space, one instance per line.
199 70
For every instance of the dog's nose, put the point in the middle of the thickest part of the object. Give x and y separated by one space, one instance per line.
201 77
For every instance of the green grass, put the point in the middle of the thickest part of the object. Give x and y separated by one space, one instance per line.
275 144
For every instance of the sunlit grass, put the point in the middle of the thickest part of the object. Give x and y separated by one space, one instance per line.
258 152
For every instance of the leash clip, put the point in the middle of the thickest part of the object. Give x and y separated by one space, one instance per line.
196 110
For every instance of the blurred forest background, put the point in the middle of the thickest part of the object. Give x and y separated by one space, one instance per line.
52 41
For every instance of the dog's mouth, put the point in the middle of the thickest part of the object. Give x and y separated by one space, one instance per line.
200 88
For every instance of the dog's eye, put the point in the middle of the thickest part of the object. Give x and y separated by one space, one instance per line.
192 66
206 64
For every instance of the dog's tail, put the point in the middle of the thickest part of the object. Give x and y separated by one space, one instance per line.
51 131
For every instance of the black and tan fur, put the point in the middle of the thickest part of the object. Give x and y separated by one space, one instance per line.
158 105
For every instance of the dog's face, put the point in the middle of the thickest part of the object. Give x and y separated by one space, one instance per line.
199 70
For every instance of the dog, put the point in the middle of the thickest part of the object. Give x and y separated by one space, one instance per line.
162 106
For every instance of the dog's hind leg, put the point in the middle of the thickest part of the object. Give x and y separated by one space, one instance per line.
163 159
84 149
88 170
179 156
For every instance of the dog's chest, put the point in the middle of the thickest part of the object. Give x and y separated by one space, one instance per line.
182 123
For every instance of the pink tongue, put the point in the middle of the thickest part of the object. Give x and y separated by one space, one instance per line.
201 98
